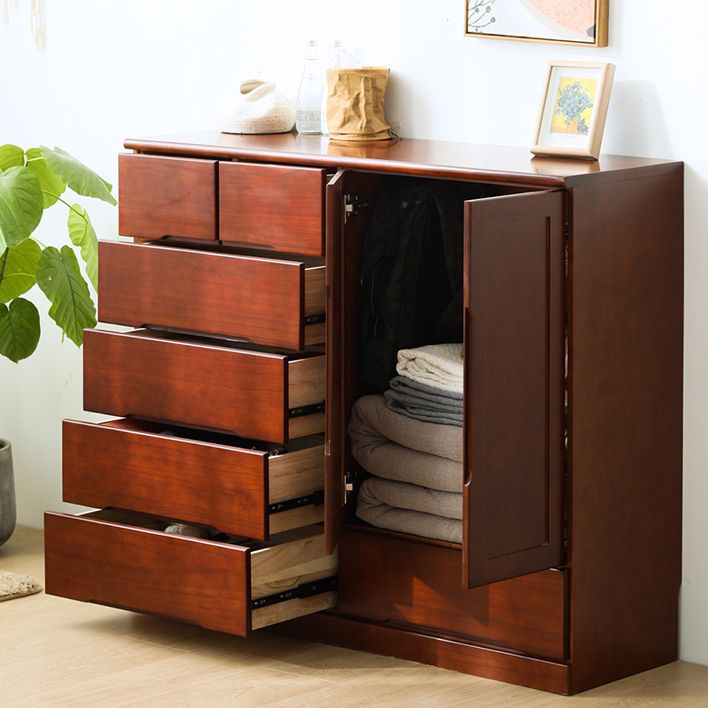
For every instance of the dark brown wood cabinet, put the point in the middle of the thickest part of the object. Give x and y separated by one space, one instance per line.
247 304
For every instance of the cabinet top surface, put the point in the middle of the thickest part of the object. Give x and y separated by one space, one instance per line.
408 156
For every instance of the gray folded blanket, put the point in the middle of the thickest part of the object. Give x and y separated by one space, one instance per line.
423 402
402 449
406 508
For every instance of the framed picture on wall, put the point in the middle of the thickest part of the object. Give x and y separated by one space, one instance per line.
582 22
574 108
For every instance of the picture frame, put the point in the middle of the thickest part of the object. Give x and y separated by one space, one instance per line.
576 22
571 120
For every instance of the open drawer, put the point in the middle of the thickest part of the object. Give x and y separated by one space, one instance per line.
204 384
125 560
277 303
196 477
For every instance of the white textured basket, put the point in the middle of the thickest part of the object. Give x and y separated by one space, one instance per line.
259 109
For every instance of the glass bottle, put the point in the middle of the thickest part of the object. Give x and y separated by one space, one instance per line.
308 118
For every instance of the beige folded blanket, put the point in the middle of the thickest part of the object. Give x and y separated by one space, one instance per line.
437 365
398 448
401 507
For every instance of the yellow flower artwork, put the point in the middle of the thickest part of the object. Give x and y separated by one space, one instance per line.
572 110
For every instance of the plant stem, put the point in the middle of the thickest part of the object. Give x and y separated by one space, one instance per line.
59 199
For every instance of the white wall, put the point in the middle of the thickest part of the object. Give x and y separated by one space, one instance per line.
120 68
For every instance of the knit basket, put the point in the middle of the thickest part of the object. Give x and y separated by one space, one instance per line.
355 104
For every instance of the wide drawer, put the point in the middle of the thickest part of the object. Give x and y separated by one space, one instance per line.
193 477
166 196
275 207
278 303
419 585
125 560
252 394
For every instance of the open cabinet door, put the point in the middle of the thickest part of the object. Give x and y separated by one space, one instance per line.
350 197
335 417
514 407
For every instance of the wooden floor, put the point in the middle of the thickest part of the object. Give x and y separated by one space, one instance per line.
56 652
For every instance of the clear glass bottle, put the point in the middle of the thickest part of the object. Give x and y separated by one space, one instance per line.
308 118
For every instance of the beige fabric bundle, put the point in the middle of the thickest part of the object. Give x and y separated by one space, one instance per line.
386 505
355 104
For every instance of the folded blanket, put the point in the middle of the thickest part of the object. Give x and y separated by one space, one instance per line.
373 507
373 426
422 402
437 365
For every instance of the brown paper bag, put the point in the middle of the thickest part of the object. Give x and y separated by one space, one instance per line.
355 103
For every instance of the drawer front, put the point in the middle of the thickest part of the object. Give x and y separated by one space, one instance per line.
272 206
166 196
276 303
124 560
419 584
245 393
132 465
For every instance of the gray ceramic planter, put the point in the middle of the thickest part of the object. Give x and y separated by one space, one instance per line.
7 492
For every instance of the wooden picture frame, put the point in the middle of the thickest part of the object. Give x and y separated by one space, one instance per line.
571 121
539 21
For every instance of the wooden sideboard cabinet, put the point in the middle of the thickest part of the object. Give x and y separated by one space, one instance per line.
231 396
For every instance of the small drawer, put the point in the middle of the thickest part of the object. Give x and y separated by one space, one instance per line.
277 303
124 560
249 393
195 477
166 196
275 207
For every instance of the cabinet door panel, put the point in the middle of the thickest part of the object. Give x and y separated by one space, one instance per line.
514 346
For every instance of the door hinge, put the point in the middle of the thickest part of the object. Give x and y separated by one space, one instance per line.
352 206
348 487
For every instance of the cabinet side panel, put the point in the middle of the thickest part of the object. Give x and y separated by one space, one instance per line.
625 424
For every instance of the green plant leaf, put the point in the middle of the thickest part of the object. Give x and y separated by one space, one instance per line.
52 186
19 329
21 205
83 235
11 156
80 178
59 277
18 269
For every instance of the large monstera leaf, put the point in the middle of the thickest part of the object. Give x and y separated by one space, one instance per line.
11 156
52 186
21 205
59 277
83 235
19 329
18 269
80 178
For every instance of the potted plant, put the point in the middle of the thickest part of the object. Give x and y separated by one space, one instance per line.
31 181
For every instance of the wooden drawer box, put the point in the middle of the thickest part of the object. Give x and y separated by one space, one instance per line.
277 303
139 466
276 207
124 560
202 384
166 196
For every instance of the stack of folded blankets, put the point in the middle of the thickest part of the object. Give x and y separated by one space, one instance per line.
410 441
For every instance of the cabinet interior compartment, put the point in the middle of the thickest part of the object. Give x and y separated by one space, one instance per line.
367 189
